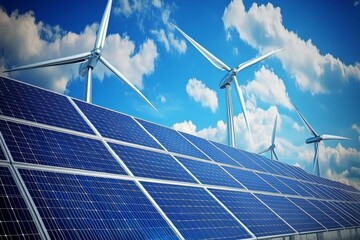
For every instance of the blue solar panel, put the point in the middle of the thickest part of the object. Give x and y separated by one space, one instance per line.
208 173
41 146
250 180
277 184
239 157
209 149
2 155
296 186
195 213
15 219
85 207
258 218
116 125
320 216
144 163
172 140
346 212
293 215
37 105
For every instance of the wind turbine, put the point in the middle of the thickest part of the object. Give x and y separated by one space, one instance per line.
316 139
272 146
226 81
88 60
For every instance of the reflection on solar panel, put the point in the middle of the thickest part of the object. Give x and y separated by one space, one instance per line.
93 207
40 146
15 219
116 125
149 164
195 213
256 216
138 180
23 101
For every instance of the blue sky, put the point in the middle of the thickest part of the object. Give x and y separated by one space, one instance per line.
318 70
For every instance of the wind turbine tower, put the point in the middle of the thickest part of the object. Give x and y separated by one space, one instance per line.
272 146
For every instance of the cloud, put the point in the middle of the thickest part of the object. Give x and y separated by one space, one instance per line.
342 177
23 41
162 98
200 93
128 7
261 27
269 88
356 128
186 127
297 127
157 3
169 41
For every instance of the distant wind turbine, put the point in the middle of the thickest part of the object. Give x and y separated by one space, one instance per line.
316 139
88 60
226 81
272 146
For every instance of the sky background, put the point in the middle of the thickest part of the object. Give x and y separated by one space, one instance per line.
318 70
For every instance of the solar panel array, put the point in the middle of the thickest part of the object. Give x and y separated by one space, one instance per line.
73 170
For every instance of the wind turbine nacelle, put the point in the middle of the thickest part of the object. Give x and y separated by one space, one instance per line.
227 79
313 140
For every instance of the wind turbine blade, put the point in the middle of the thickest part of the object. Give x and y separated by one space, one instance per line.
55 62
264 150
214 60
255 60
242 102
307 125
273 151
101 35
333 137
274 131
122 77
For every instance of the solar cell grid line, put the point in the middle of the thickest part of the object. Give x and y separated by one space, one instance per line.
347 211
308 188
316 213
145 163
23 101
276 166
338 194
208 173
16 221
115 125
87 207
292 214
250 180
35 145
277 184
239 157
214 153
296 173
355 209
295 185
260 220
195 213
172 140
322 191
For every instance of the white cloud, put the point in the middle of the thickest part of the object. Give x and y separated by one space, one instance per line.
186 127
261 27
169 41
157 3
342 177
269 88
297 127
356 128
235 51
128 7
200 93
162 98
22 43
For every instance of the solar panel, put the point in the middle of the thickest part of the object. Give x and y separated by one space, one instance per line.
41 146
250 180
320 216
277 184
293 215
23 101
195 213
86 207
209 149
260 220
346 212
116 125
144 163
239 157
2 155
208 173
295 185
172 140
15 219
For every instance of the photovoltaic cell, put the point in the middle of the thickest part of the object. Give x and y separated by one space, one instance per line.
209 149
195 213
260 220
144 163
15 219
295 185
293 215
116 125
22 101
277 184
172 140
85 207
239 157
208 173
41 146
345 212
250 180
320 216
